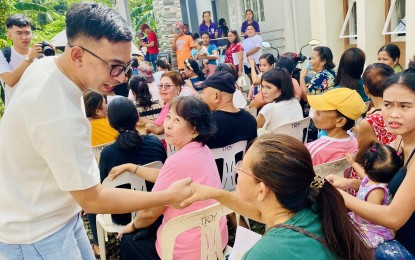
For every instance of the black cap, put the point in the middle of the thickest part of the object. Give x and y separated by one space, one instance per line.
221 80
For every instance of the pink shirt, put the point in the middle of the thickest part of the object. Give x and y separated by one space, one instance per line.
197 162
327 149
162 116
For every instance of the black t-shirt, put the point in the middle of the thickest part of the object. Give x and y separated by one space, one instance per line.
150 150
232 128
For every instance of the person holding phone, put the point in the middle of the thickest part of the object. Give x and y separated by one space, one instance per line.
182 44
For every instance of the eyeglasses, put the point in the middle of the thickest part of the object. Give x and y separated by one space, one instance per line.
238 169
116 69
165 86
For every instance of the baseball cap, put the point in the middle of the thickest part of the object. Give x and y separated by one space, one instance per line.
345 100
221 80
143 27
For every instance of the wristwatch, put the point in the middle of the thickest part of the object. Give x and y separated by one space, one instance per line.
28 59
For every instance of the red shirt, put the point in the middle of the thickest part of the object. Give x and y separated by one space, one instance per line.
152 37
233 48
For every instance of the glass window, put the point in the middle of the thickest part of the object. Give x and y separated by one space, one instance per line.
395 23
349 28
257 6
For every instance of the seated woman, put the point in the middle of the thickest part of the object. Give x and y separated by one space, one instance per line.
282 107
336 112
169 87
389 54
187 127
146 107
129 147
96 111
398 112
192 74
277 186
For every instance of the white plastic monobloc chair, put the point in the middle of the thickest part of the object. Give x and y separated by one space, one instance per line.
171 149
295 129
208 220
104 221
228 154
98 149
336 167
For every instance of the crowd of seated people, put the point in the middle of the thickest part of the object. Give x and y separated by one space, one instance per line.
197 113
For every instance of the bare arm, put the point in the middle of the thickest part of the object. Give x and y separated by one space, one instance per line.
155 129
240 62
255 79
254 50
260 121
303 85
99 200
147 173
393 216
173 44
201 192
343 183
214 55
365 138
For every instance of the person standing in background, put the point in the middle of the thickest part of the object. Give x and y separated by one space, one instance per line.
249 15
186 29
182 44
208 26
152 45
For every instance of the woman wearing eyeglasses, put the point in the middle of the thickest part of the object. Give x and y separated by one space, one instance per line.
169 87
187 127
305 214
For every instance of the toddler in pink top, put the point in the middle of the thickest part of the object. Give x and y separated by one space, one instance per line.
380 164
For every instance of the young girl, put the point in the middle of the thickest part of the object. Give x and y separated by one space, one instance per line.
266 63
380 164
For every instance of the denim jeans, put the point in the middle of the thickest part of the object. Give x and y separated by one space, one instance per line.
153 58
70 242
392 249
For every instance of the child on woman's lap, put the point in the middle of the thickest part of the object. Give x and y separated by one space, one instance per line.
380 163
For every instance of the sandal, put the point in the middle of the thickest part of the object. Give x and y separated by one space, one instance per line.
95 249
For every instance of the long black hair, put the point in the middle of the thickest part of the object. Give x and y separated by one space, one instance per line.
123 116
138 85
280 78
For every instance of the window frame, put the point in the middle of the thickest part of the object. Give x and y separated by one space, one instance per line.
392 21
259 13
350 22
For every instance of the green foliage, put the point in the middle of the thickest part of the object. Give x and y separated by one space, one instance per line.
141 11
1 108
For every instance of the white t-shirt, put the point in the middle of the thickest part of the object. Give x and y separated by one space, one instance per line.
45 151
280 113
15 60
250 43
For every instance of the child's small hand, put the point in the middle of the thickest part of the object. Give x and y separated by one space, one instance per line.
350 157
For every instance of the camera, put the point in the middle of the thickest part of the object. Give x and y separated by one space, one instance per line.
47 50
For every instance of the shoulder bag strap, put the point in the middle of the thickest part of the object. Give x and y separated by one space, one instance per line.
299 230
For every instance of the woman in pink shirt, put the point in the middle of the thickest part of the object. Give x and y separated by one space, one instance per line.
187 127
169 87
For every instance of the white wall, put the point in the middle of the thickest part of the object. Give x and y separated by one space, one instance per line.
202 6
222 11
370 19
326 22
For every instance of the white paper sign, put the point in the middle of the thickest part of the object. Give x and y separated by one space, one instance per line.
236 59
245 239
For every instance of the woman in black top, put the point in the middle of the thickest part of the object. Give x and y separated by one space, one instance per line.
399 114
143 100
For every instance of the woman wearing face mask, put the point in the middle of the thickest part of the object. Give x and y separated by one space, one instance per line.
389 54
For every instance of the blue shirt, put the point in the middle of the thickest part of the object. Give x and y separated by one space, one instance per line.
211 48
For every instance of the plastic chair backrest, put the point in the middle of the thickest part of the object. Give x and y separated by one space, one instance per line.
228 154
253 111
336 167
98 149
208 220
295 129
171 149
136 182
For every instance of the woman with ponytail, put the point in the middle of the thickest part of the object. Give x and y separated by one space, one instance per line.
129 147
305 214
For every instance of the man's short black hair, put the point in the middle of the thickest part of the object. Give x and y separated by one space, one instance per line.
96 21
18 20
